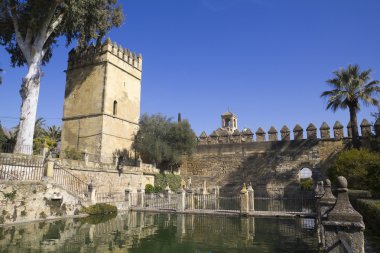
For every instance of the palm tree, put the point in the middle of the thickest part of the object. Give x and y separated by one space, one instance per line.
350 87
54 132
1 79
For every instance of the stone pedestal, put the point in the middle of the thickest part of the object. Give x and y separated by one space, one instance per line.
251 198
49 168
244 201
140 197
181 205
344 226
92 193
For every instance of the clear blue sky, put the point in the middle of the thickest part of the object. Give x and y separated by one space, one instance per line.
266 60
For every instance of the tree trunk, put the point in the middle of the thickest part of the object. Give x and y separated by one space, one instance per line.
354 127
29 94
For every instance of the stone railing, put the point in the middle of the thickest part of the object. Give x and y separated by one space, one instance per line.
220 136
340 226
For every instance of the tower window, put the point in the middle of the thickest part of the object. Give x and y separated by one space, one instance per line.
115 108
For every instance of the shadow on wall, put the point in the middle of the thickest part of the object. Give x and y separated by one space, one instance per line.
273 167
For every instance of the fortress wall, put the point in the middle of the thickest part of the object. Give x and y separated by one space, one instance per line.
272 167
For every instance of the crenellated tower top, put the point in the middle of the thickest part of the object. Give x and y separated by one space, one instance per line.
102 52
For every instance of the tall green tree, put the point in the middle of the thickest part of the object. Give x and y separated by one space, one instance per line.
350 87
29 29
161 141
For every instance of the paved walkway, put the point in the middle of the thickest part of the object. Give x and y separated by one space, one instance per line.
228 212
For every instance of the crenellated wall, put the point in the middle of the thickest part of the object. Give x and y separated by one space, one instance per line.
221 136
271 162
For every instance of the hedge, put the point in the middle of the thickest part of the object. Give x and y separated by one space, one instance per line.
370 209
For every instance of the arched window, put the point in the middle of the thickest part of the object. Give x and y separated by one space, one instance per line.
115 108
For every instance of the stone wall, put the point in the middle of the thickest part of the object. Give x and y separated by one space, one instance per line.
272 167
23 201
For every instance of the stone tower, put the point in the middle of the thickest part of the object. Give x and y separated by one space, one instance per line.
229 121
102 100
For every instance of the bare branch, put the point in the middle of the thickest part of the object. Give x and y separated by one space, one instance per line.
54 25
19 38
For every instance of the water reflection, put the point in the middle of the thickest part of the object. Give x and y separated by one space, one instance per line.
144 232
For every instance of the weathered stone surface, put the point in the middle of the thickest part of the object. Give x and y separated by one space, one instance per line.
344 224
311 131
325 131
272 167
366 128
272 134
298 132
102 100
285 133
338 130
260 135
247 135
31 200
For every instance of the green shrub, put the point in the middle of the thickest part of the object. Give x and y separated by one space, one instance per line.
72 153
370 209
10 195
306 184
360 167
149 188
23 213
100 208
162 180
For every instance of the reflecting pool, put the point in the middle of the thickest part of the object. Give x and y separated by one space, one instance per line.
135 232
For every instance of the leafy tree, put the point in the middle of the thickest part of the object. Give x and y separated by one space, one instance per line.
350 87
29 30
360 167
161 141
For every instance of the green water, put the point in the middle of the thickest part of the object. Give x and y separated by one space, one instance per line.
166 233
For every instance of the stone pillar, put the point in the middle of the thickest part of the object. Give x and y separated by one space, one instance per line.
349 130
365 127
344 225
139 162
272 134
325 131
285 133
181 205
44 151
216 196
140 197
49 168
204 189
311 132
128 197
298 132
328 199
251 198
167 193
338 131
260 135
377 127
86 157
92 193
116 160
244 201
190 199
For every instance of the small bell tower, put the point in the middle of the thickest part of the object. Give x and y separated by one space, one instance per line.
229 121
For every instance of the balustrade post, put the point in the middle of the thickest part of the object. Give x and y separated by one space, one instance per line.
128 197
244 201
92 193
344 226
190 194
181 200
49 167
251 198
167 193
86 157
140 193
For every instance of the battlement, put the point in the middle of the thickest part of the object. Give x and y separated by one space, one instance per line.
221 136
94 54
